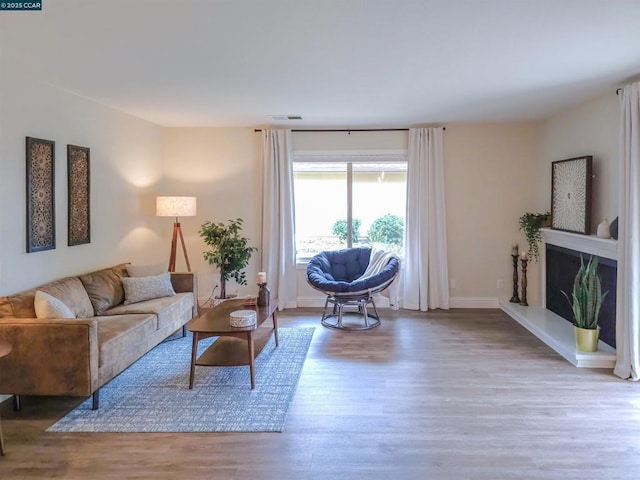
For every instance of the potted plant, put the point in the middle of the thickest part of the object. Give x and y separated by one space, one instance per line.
586 300
530 224
230 252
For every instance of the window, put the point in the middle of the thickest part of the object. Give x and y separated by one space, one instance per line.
343 201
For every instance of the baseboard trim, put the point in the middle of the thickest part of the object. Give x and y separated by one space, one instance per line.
287 305
383 302
311 301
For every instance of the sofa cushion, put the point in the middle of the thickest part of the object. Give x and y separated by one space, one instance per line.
48 306
68 290
121 335
146 270
139 289
105 287
167 309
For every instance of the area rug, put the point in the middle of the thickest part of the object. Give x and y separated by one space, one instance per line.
153 394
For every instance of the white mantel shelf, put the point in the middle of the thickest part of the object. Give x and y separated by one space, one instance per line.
590 244
557 333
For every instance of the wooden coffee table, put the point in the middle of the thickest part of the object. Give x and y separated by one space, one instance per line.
5 348
236 346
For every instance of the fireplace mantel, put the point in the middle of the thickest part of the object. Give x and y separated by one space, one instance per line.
552 329
589 244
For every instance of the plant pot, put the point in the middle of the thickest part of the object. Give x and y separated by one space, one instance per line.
586 339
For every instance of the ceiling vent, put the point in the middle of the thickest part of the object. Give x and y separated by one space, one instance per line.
286 117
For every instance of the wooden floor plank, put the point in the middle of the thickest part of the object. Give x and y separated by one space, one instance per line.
464 394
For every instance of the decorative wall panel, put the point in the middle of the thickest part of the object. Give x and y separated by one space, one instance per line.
79 192
41 225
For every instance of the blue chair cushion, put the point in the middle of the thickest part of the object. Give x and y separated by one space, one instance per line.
339 270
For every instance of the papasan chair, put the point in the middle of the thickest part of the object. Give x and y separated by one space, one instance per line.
348 278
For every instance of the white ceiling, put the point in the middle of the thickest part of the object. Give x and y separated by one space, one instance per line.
336 62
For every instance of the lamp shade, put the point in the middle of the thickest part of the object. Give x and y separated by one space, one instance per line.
175 206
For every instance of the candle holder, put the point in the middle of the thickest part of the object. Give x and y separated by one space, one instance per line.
264 295
523 300
514 297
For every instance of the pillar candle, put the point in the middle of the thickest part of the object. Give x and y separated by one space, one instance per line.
262 277
524 256
514 249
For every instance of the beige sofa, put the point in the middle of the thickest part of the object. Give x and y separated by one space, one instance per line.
77 356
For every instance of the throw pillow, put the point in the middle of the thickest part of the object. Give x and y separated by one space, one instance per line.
48 306
72 293
146 270
139 289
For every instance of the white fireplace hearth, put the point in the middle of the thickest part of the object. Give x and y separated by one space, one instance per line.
549 327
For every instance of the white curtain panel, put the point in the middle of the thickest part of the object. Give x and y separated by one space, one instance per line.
628 289
278 250
425 271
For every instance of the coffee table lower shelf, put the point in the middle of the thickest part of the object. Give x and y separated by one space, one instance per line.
233 352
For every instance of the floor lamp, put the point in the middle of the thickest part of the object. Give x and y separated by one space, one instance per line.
176 207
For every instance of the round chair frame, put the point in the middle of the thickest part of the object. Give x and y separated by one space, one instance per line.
360 299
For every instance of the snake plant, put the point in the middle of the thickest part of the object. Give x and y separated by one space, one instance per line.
587 297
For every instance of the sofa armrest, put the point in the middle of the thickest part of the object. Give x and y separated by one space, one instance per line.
50 356
186 282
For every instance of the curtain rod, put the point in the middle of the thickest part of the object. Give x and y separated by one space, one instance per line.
349 130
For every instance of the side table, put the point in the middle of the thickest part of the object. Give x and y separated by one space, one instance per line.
5 348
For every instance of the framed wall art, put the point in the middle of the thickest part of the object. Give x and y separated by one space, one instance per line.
41 223
78 184
571 195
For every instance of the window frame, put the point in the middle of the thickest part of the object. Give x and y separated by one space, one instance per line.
349 157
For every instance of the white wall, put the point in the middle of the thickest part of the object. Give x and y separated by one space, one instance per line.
125 170
489 172
386 140
485 164
221 167
590 128
489 168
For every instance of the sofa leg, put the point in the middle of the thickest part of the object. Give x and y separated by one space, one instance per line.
16 402
96 400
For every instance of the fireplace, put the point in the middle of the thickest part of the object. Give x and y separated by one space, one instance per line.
562 264
549 321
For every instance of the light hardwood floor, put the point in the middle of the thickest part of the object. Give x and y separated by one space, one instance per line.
465 394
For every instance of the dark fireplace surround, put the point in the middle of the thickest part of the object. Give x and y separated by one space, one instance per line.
562 265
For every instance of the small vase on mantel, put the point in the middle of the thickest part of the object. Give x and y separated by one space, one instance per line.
603 230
